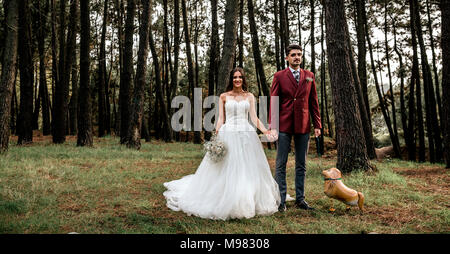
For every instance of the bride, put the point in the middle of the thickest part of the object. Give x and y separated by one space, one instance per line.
241 185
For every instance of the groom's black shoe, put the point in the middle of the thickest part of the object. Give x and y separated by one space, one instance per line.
282 208
303 205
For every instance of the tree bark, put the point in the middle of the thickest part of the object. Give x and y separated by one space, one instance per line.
137 110
394 141
168 136
394 118
415 82
8 71
351 144
43 90
445 44
229 45
409 139
59 114
433 128
102 90
85 136
128 72
25 119
362 69
277 36
241 33
435 71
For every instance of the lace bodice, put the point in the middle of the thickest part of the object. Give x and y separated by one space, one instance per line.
236 112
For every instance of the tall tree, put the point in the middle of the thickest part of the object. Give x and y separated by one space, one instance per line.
128 72
8 71
435 71
259 64
58 119
25 128
84 136
351 144
283 28
409 138
73 104
380 93
277 35
362 68
168 136
190 63
102 89
137 110
415 83
445 44
213 55
433 128
241 33
229 44
391 89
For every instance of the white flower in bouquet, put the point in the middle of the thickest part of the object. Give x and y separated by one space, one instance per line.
215 149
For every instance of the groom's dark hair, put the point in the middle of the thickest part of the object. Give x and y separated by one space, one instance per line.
293 46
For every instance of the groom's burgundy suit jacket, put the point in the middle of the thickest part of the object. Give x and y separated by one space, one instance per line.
297 102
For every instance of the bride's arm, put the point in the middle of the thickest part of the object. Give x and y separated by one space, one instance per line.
255 120
221 112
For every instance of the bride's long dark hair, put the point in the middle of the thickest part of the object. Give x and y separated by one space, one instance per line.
244 81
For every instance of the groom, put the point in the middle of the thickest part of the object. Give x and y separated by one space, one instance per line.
295 89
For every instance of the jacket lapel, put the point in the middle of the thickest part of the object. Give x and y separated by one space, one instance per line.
292 79
301 82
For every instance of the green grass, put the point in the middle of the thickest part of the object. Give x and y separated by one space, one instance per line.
46 188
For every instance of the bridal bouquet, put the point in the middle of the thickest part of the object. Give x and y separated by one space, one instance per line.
215 149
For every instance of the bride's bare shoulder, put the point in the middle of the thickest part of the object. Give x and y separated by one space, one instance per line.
224 95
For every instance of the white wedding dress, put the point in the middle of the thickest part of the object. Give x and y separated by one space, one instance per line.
239 186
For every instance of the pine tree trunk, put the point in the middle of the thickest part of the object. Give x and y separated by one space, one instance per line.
85 136
362 69
241 33
197 134
168 136
283 42
409 140
351 145
137 110
435 71
102 76
277 36
259 64
322 84
394 118
73 105
415 83
8 71
59 114
229 45
433 128
55 72
43 90
213 54
120 11
445 44
25 119
128 72
387 120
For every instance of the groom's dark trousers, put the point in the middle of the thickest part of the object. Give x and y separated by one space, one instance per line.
301 142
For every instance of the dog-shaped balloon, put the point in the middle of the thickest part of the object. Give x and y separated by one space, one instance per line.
335 189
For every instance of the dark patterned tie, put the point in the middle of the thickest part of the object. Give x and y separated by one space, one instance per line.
296 75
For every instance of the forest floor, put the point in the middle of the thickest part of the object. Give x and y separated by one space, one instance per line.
48 188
